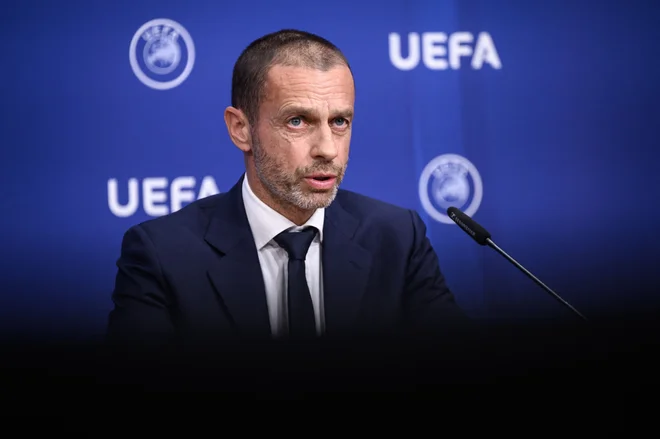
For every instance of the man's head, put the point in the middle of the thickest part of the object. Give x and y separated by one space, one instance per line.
292 111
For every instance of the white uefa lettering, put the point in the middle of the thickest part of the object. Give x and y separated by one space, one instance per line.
439 51
153 193
157 195
131 206
182 190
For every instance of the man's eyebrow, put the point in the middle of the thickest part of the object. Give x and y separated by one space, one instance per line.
304 111
295 109
343 112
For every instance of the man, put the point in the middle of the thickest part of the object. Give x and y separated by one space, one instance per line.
284 253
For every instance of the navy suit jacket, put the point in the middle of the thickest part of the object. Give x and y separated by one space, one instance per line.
195 274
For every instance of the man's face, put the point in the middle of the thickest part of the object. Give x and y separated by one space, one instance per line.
302 137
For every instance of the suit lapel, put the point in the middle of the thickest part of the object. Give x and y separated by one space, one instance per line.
237 278
346 267
236 274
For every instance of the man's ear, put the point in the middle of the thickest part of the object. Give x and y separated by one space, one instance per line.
238 128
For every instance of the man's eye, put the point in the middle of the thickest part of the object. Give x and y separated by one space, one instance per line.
341 121
296 121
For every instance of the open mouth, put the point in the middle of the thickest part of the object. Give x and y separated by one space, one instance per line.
321 182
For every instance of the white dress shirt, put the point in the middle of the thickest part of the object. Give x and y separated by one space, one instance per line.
266 223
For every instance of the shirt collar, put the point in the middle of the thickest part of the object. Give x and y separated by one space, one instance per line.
266 223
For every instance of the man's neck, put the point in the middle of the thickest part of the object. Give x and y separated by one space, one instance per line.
292 213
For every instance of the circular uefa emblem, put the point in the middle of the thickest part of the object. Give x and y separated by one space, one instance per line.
162 54
450 180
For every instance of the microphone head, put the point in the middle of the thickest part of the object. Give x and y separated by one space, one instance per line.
469 225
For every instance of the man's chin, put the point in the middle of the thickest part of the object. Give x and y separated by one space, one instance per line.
318 199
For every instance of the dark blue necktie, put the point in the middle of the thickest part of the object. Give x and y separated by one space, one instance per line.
301 310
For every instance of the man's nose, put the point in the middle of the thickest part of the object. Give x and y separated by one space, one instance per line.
326 145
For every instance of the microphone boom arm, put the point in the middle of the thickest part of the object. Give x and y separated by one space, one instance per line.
491 244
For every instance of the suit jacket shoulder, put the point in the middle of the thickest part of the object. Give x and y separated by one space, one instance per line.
395 225
364 206
192 218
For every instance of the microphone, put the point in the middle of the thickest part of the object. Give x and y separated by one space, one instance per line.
482 237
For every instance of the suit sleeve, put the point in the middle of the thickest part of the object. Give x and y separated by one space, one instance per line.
141 300
429 304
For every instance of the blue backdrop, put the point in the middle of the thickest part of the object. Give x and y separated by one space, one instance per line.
539 118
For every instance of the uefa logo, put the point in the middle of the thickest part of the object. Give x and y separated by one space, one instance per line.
450 180
162 54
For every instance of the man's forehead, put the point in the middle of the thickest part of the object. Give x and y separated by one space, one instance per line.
284 71
293 79
305 91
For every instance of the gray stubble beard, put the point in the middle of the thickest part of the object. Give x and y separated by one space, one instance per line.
289 192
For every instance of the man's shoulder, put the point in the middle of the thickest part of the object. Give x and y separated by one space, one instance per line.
193 217
367 208
380 224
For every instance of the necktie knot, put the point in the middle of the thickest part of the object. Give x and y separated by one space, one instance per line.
296 244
